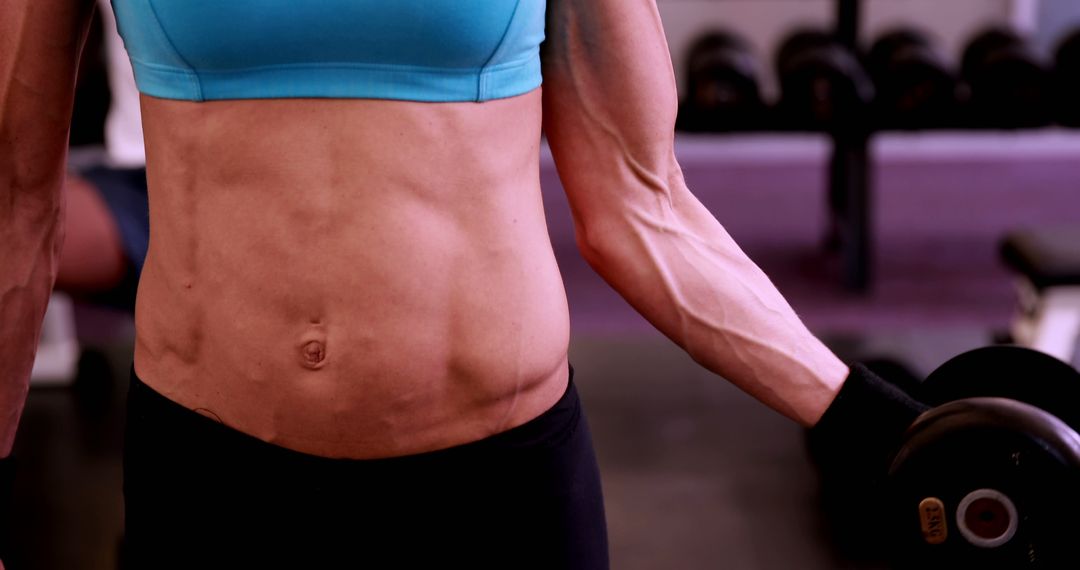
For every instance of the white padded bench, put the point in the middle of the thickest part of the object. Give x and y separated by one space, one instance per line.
57 360
1047 261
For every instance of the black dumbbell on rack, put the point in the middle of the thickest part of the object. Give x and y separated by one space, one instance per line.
823 85
915 88
722 86
1067 80
1009 87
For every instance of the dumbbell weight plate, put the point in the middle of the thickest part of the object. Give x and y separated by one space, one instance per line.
915 88
983 45
823 85
986 483
1067 79
888 44
1012 372
1010 87
1007 477
722 91
798 43
825 89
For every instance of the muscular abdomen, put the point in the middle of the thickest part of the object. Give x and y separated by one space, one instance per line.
351 278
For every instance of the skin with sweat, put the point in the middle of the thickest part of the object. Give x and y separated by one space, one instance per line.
368 278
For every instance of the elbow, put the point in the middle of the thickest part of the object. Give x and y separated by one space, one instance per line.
604 244
588 243
32 212
29 191
594 237
33 232
622 229
588 210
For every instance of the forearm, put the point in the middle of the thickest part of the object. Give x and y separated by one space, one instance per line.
31 172
40 42
609 113
678 267
31 238
30 227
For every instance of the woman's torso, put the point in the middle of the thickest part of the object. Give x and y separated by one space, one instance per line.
351 277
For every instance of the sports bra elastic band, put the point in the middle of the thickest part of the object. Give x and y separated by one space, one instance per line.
414 50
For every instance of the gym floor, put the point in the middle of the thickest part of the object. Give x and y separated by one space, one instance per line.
696 474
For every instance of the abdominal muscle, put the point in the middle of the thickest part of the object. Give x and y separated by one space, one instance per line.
351 278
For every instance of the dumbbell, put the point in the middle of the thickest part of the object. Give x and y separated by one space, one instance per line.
723 92
823 86
990 477
915 89
1009 86
1067 80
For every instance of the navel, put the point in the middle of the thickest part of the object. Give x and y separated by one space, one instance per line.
313 354
312 345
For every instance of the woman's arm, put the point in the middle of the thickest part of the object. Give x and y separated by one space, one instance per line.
40 41
609 114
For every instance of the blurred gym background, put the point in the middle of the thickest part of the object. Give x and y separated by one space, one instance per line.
896 166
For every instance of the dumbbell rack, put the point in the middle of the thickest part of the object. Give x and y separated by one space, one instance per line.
849 176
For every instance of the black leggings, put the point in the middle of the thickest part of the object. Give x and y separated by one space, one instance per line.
201 495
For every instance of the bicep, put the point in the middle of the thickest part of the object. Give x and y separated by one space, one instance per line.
609 99
40 41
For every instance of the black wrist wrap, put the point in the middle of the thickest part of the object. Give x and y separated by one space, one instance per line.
866 422
7 500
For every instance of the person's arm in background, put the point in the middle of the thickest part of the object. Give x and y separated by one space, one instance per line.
609 114
40 43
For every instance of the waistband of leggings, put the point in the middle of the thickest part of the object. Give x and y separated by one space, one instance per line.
146 405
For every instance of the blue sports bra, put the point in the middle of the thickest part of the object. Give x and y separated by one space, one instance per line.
414 50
